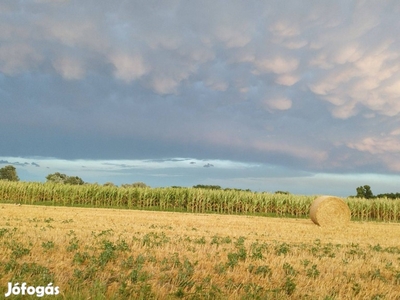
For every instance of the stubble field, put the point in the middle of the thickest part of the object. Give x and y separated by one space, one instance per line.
126 254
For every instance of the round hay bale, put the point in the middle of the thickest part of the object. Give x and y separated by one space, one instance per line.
330 211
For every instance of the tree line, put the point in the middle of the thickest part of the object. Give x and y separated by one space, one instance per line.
366 192
10 173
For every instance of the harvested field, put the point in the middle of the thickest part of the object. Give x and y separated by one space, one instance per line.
127 254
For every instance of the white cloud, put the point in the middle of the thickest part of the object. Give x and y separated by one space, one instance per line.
321 61
128 67
393 90
356 76
164 85
287 79
232 37
345 111
377 145
277 65
348 53
280 103
217 85
284 29
395 131
383 149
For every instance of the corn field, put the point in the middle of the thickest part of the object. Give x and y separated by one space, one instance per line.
187 200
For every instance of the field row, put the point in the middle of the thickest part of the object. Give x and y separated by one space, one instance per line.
187 200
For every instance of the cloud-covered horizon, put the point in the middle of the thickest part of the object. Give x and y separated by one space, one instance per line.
309 86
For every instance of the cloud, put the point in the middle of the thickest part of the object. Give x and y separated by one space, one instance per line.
315 86
164 85
356 75
69 68
284 29
17 163
281 103
18 57
129 68
277 65
287 79
376 145
383 149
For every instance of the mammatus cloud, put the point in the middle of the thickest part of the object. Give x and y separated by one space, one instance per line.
69 68
128 68
18 57
377 145
383 149
354 63
301 84
278 103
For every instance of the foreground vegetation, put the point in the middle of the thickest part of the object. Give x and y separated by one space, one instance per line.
195 200
126 254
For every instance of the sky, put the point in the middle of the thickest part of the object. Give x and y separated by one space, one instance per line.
298 95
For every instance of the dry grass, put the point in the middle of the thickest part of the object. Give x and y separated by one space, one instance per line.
197 255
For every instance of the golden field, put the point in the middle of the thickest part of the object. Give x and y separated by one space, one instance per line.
94 253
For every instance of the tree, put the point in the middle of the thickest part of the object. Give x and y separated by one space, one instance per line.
364 192
389 195
208 187
9 173
56 177
135 185
74 180
65 179
282 192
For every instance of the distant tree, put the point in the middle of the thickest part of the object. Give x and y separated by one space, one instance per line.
364 192
65 179
209 187
109 184
368 192
237 190
9 173
56 177
74 180
139 184
135 184
389 195
282 192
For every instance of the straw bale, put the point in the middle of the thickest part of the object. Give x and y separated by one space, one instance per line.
330 211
